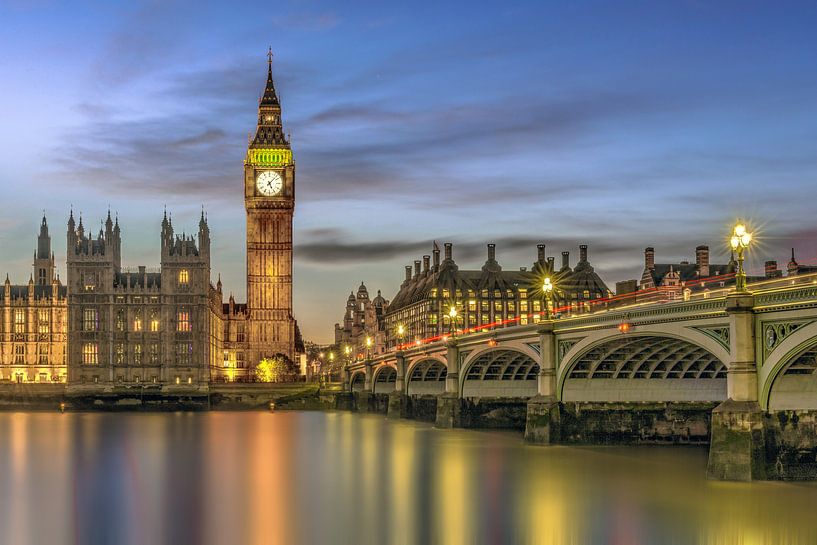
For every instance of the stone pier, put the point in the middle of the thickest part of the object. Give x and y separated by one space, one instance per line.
542 422
737 445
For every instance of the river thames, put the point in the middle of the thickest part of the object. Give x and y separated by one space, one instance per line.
312 477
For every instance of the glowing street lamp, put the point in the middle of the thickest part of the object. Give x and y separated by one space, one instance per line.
401 333
452 313
547 290
368 347
739 242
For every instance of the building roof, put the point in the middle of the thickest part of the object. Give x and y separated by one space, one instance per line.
686 271
133 280
40 292
491 277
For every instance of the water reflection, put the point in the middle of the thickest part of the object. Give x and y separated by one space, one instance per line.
292 478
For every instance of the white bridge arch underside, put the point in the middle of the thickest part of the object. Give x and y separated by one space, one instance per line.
795 386
427 377
501 373
645 368
385 380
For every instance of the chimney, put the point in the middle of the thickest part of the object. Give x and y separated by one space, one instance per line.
649 258
448 252
492 252
551 263
436 254
771 269
565 260
408 273
702 260
416 267
426 263
540 252
582 253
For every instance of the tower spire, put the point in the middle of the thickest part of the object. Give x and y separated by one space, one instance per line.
270 98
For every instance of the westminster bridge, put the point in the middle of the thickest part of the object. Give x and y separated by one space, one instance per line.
737 370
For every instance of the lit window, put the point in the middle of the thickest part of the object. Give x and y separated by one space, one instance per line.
90 354
43 322
90 320
120 320
119 354
20 321
43 354
153 354
154 321
184 353
137 354
184 277
184 321
137 324
19 354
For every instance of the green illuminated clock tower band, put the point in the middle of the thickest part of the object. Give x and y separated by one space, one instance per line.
269 197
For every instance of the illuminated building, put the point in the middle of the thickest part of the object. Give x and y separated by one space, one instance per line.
488 297
33 322
133 326
363 318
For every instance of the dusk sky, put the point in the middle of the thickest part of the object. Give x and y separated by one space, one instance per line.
616 124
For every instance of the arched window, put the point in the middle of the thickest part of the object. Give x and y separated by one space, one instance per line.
90 354
184 277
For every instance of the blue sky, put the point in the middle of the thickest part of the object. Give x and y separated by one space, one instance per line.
616 124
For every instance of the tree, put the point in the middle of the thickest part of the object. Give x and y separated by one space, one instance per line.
274 369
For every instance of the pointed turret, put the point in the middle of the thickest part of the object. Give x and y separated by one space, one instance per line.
792 265
44 264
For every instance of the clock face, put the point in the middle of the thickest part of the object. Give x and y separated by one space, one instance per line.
269 183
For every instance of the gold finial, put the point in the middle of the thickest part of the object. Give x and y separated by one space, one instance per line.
269 57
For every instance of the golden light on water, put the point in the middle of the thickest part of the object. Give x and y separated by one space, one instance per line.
307 477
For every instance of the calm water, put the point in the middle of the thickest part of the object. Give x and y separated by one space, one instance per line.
292 478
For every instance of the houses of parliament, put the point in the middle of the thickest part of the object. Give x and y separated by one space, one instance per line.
103 325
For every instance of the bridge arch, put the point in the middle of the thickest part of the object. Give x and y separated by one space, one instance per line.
426 375
642 367
500 372
357 381
788 377
384 379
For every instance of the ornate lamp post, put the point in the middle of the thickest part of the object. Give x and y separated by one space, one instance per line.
368 347
331 364
401 334
740 242
547 291
452 314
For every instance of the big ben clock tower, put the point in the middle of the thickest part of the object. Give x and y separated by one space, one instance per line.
269 197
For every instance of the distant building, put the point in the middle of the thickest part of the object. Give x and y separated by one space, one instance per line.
363 318
33 322
794 268
486 297
669 281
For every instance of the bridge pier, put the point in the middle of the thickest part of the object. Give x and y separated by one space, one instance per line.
449 404
737 445
365 399
398 400
542 419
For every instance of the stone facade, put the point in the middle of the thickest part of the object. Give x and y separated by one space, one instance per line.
129 326
33 322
